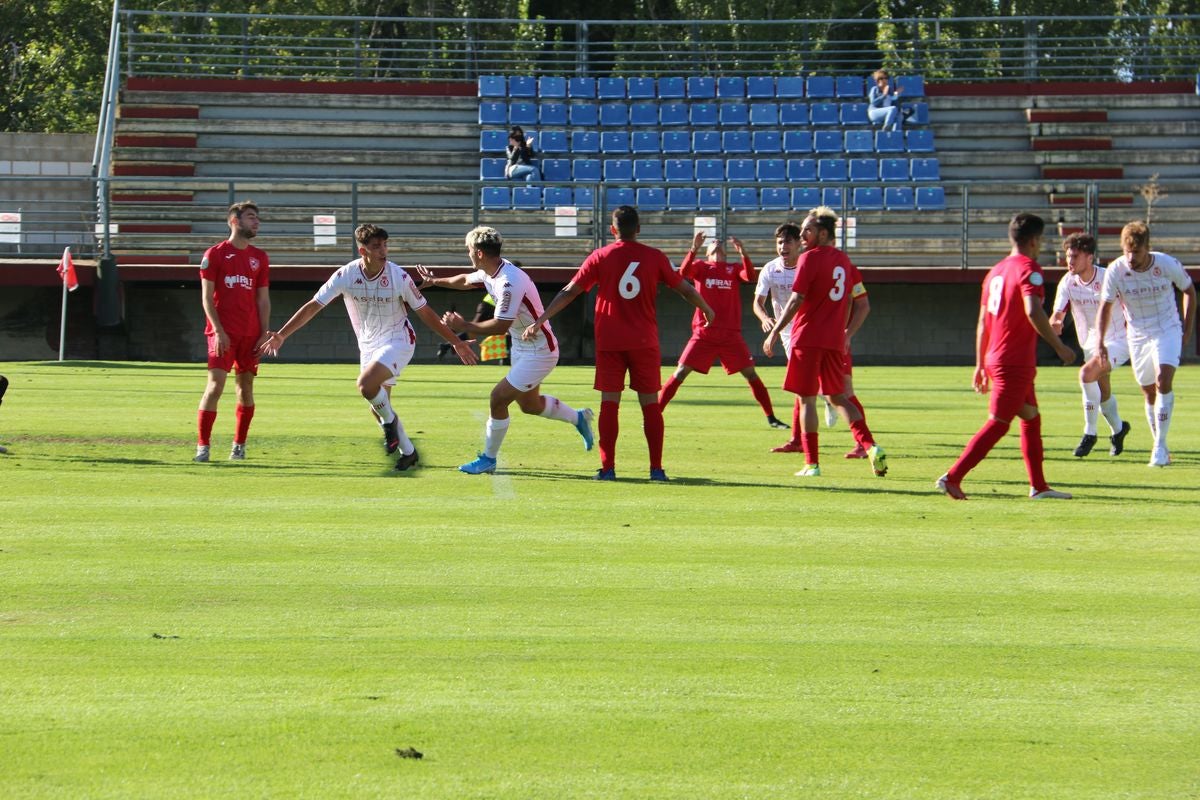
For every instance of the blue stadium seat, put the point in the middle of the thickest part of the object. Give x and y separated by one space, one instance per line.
735 141
614 115
913 85
676 142
493 140
585 197
898 198
827 141
553 115
681 198
925 169
703 115
610 88
623 196
801 170
774 198
527 197
497 197
797 141
670 114
889 142
710 169
585 169
821 86
556 170
552 87
855 114
760 87
648 170
706 142
832 169
739 169
618 169
764 114
492 169
832 196
824 114
893 169
708 198
793 114
734 115
643 114
614 142
522 113
585 142
640 88
672 88
919 141
765 142
647 142
651 199
859 142
931 198
584 115
679 169
493 86
789 87
522 86
553 142
868 198
493 113
864 169
554 196
731 88
582 88
920 113
849 86
743 199
804 199
701 87
771 170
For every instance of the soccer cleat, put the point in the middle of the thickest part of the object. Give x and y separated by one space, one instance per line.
391 435
482 464
777 423
831 415
952 489
1048 494
238 453
583 424
878 460
201 454
659 475
406 461
788 447
1159 458
810 471
858 452
602 474
1118 440
1085 445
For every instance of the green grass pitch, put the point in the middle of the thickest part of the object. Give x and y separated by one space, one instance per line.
292 625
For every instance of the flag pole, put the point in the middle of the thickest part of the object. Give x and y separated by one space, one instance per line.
62 331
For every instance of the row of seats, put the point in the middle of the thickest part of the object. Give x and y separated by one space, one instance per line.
696 115
694 87
891 198
686 170
732 142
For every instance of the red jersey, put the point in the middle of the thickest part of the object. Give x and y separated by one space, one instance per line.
829 281
238 275
1011 338
627 274
719 283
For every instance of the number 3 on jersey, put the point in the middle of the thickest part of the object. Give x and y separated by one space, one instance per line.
630 285
995 293
839 284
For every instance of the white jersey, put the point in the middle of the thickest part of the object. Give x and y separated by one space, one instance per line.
517 299
1148 298
775 280
1084 301
378 306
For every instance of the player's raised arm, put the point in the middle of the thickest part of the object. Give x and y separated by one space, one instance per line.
273 340
458 282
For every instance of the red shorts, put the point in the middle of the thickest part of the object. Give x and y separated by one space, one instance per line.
1012 387
815 370
849 368
705 348
644 366
239 354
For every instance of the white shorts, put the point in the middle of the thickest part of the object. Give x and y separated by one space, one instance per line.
785 339
394 355
1148 356
530 367
1118 354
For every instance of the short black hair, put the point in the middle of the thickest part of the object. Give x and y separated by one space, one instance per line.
1024 228
625 220
1083 242
364 233
788 230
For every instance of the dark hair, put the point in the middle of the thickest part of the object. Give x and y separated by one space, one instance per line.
364 233
1083 242
236 209
625 220
517 130
1024 228
788 230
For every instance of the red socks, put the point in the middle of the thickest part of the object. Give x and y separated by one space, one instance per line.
808 442
652 425
759 390
609 425
1031 451
668 391
204 426
796 411
980 445
862 434
243 415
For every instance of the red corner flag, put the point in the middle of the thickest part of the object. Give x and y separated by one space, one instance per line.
66 268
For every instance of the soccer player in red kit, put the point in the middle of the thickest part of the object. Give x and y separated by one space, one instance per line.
822 296
234 277
626 274
719 282
1011 318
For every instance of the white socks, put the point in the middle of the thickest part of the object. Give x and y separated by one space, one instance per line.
406 445
493 436
1113 417
1091 407
1164 404
1151 418
382 406
557 409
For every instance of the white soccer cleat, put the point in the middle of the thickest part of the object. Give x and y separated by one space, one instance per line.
1048 494
238 453
831 415
810 471
201 454
1159 458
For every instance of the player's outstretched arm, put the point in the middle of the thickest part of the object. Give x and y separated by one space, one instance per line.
461 348
689 293
428 280
273 340
564 298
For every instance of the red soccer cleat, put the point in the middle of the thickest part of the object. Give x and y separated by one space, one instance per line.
788 447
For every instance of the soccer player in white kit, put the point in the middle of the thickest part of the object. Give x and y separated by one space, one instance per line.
1079 290
378 296
517 304
775 281
1145 281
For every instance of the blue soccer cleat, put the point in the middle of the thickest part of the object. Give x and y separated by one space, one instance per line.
583 424
482 464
